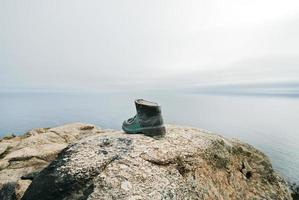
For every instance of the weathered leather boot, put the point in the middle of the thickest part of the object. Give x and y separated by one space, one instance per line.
148 120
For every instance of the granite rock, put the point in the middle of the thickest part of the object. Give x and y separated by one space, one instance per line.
188 163
23 155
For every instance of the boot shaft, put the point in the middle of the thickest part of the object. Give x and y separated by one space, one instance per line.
149 113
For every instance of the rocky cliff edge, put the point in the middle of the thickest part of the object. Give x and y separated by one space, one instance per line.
91 163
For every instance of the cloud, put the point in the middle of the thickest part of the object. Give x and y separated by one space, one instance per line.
97 44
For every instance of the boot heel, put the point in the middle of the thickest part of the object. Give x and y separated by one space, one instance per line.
154 131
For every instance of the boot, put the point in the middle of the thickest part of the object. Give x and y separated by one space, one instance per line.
147 121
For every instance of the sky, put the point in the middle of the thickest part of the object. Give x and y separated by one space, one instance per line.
96 44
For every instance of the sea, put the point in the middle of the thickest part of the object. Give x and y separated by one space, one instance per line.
270 123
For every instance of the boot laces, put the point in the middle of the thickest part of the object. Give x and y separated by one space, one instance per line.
131 120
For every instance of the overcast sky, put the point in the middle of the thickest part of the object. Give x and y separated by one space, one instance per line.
59 44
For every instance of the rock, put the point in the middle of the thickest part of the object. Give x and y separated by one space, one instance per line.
21 157
186 164
8 136
21 187
246 169
3 148
294 190
87 127
30 176
3 164
7 191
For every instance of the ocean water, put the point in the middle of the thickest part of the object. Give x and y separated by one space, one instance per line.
270 123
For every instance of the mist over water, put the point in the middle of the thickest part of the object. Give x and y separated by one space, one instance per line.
270 123
231 68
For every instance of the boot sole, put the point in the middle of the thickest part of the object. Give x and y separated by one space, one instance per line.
150 131
154 131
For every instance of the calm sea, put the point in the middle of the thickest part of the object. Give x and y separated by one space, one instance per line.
271 124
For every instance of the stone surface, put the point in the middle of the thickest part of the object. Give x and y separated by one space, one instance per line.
188 163
22 156
21 187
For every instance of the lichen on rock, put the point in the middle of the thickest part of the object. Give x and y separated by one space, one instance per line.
22 157
187 163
